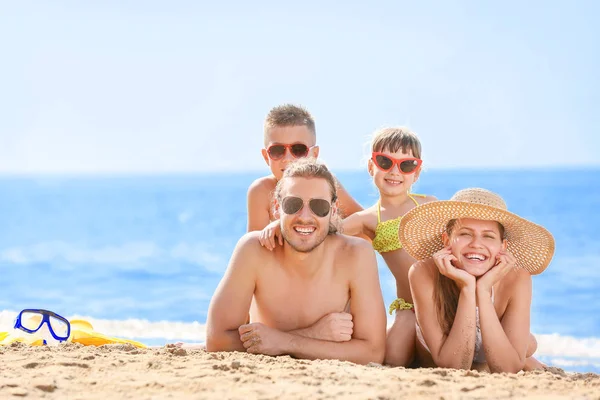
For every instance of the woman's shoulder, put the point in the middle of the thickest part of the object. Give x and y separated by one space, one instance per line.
423 270
518 281
518 275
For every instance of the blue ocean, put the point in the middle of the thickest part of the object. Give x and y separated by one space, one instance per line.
142 255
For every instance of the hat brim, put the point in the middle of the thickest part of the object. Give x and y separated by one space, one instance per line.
421 232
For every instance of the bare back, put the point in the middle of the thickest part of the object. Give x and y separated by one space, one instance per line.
259 201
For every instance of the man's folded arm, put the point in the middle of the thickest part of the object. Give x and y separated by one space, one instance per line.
359 351
368 311
230 303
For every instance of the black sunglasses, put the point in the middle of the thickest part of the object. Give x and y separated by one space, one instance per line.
292 204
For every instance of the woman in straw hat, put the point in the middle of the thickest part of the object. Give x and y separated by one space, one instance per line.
472 285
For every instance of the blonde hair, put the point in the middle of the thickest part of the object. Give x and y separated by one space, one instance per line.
446 293
288 115
393 139
310 167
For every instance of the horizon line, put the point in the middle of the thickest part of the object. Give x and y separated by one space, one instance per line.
134 173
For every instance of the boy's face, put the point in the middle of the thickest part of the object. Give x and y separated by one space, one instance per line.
288 135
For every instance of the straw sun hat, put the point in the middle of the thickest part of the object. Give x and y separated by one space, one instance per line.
421 228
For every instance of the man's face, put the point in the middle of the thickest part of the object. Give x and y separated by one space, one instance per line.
305 229
288 135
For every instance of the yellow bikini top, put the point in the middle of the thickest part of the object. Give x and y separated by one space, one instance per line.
386 234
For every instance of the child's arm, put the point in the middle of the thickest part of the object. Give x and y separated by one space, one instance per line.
271 235
259 199
348 205
353 225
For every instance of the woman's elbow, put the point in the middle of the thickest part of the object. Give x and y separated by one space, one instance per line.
452 362
511 367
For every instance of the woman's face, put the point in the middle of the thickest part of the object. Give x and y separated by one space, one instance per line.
475 243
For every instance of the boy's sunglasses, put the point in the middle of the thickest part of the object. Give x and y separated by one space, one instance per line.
291 205
405 165
297 150
31 320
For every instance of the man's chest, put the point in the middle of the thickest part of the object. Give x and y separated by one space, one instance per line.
287 305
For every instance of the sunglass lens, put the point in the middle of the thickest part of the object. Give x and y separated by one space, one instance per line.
276 151
60 327
384 162
408 166
299 150
291 205
320 207
31 320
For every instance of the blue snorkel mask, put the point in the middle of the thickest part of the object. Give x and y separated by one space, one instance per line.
33 320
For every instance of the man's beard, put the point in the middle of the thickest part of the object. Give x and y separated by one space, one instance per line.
317 241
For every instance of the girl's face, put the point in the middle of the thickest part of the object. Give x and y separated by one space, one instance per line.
394 181
475 243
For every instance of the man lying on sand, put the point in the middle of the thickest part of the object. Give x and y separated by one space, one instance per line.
315 297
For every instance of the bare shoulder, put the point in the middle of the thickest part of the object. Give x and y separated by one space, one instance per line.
421 271
353 258
426 198
515 286
516 279
248 247
262 186
351 248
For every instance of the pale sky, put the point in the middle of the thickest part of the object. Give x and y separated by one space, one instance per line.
182 86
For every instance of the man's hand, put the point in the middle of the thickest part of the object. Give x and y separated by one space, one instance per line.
258 338
271 235
506 262
334 327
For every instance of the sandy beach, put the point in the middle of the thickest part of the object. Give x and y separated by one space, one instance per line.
75 371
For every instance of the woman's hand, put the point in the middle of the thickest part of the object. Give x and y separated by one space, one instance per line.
505 261
443 260
269 235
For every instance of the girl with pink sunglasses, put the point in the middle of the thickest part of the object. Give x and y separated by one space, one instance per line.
394 165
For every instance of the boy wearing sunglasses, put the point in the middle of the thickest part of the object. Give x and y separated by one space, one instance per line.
315 297
289 134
